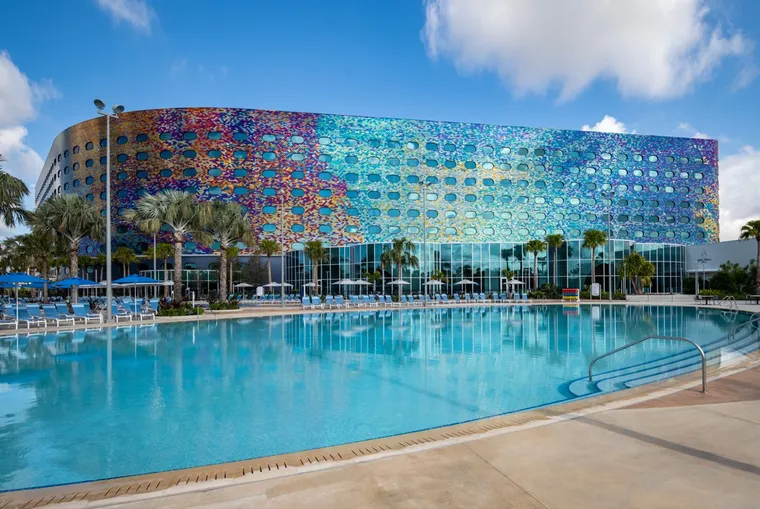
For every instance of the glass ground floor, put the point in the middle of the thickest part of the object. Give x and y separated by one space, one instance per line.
483 263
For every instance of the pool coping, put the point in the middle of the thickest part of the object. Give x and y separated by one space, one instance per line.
266 311
105 492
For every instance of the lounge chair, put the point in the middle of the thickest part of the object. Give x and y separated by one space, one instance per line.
365 301
63 310
467 298
525 297
444 298
305 302
457 300
389 301
34 311
25 317
340 302
85 315
437 299
316 302
403 300
418 300
119 313
52 315
141 311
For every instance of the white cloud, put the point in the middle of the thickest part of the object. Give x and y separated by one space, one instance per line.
652 49
19 97
692 132
135 12
19 102
739 182
608 124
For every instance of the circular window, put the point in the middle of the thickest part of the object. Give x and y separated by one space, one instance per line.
166 172
239 154
189 172
240 191
324 175
412 145
297 228
268 137
297 192
240 172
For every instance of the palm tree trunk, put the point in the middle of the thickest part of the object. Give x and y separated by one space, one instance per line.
178 271
124 269
231 267
166 278
269 268
44 276
316 273
535 271
400 268
757 269
593 265
73 269
223 275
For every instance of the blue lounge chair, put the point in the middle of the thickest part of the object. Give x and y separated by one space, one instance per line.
525 297
142 311
53 315
81 313
457 300
353 300
63 310
467 298
305 302
35 313
26 318
418 300
340 302
483 297
389 302
119 313
316 302
365 301
437 298
403 300
444 298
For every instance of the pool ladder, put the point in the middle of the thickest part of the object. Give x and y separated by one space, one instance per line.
729 301
673 338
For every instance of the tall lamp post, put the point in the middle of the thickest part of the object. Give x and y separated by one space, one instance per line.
424 240
117 110
282 249
609 195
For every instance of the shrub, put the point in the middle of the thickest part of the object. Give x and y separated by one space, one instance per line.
220 306
551 291
717 293
171 308
536 294
618 295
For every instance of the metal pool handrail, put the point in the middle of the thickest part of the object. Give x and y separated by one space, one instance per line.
674 338
729 301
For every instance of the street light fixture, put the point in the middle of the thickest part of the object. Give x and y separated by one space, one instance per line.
117 110
609 195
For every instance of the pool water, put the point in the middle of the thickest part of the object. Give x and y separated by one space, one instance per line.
88 405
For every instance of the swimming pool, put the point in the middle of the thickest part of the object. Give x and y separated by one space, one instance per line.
79 406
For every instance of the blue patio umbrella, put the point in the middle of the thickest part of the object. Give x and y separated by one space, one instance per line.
20 279
74 281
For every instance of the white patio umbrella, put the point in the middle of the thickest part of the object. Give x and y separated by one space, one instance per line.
344 282
466 282
434 282
515 282
399 282
242 285
273 284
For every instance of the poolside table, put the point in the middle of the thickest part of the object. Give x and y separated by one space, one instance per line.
750 298
708 298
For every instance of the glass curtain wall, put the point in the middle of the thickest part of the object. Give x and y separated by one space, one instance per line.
484 264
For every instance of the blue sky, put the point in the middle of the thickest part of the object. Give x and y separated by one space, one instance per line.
680 68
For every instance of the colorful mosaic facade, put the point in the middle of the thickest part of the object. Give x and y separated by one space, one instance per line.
349 180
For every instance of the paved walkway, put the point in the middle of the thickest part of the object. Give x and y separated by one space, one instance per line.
685 450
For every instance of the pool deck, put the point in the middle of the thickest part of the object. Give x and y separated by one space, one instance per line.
662 445
276 310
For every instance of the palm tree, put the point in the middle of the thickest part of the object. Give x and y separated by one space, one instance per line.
386 260
39 244
164 252
594 239
373 277
73 218
85 262
181 213
554 241
126 257
317 253
269 248
403 253
636 267
232 253
535 246
751 230
99 260
12 194
226 225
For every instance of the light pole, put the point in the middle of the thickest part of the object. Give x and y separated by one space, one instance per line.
424 240
609 196
117 110
282 249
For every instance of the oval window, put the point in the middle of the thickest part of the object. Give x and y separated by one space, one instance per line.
214 153
214 135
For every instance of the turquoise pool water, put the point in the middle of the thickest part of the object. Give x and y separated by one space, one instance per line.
88 405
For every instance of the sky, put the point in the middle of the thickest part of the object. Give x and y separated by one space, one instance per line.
666 67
